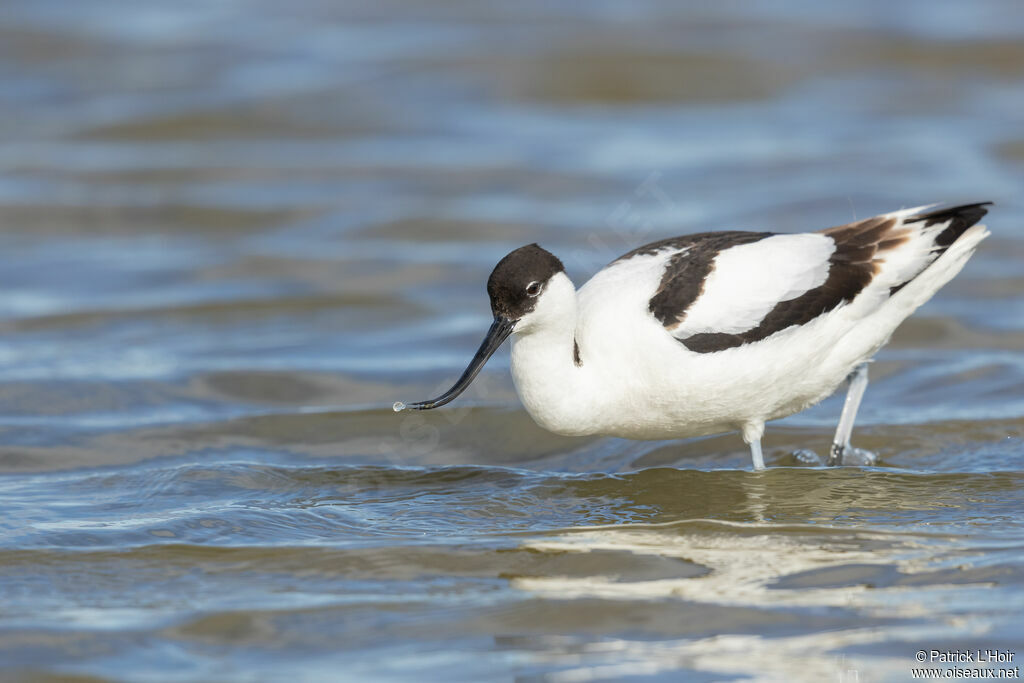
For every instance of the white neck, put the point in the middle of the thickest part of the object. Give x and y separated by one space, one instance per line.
549 382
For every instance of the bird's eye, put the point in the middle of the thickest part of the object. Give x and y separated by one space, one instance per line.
533 289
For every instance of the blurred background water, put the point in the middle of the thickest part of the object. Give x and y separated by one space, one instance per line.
233 233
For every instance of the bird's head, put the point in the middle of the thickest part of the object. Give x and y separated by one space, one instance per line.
528 288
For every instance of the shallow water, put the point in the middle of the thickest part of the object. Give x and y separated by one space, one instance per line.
235 233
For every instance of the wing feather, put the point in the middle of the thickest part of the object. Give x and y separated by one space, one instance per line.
749 280
723 290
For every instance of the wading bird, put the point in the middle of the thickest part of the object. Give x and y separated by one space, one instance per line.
717 331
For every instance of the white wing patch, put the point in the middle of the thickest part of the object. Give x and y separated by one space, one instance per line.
749 280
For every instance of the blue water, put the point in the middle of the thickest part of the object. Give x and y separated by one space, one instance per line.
233 234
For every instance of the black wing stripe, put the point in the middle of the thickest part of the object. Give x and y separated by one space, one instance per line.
851 268
688 271
845 281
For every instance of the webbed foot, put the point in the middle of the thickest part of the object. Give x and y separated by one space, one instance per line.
851 456
807 457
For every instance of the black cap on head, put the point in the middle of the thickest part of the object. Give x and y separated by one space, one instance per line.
519 278
514 286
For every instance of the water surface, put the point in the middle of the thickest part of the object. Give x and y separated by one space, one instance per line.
234 233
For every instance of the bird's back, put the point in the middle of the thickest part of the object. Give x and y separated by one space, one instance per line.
720 290
745 322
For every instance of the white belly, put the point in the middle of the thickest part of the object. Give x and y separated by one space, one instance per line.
642 383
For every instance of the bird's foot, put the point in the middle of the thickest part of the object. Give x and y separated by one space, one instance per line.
851 456
807 457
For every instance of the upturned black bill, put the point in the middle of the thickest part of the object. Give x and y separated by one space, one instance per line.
501 328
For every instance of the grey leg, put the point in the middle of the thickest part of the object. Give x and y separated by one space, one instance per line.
842 453
752 432
756 455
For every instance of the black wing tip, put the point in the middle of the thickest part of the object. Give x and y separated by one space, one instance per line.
972 212
959 218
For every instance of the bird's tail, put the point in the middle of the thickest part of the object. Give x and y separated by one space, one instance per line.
939 243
